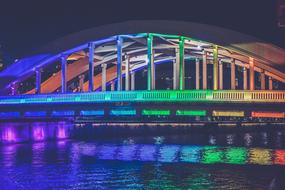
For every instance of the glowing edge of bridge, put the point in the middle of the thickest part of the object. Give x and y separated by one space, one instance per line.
190 96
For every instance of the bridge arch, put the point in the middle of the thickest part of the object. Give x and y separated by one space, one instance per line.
89 60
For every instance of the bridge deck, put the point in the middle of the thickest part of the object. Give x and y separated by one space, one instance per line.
188 96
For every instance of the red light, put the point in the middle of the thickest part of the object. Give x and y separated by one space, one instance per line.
268 114
279 157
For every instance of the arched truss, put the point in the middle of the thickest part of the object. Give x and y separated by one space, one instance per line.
124 54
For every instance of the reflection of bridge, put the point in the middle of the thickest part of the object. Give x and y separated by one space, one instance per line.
219 74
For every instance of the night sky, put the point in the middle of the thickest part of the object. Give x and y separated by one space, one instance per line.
26 25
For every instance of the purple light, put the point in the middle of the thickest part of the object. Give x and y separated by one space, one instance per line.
9 135
38 133
61 132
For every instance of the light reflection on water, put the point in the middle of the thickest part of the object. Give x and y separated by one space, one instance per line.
157 163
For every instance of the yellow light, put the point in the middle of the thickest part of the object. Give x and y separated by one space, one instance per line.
228 113
260 156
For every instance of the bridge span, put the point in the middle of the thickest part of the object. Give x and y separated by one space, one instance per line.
141 72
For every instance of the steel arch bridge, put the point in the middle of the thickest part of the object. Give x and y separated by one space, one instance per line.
112 71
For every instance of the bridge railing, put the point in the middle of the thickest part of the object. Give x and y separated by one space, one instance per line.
219 96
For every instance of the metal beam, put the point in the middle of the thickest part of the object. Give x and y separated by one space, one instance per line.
233 74
133 82
176 70
38 81
205 77
149 62
181 63
63 73
119 63
197 75
104 67
270 83
245 78
215 68
251 73
262 80
221 86
91 66
127 72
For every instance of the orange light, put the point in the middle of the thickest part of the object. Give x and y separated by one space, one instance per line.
279 157
268 114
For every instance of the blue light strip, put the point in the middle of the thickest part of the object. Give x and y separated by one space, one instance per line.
9 114
63 113
92 112
35 114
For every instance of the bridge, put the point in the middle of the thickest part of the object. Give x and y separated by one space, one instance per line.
147 72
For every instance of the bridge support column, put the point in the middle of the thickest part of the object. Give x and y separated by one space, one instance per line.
38 81
104 67
262 80
197 75
119 63
233 74
270 83
215 68
91 67
176 70
205 78
244 78
63 74
181 64
251 73
127 73
150 63
81 83
221 80
133 74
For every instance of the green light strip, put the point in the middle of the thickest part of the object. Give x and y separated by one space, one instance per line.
191 112
156 112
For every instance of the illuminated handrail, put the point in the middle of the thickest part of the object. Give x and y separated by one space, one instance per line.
219 96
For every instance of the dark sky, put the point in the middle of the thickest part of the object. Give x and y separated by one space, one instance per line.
26 25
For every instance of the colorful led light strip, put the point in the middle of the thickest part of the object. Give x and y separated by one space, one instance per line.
191 112
156 112
92 112
117 112
63 113
268 114
228 113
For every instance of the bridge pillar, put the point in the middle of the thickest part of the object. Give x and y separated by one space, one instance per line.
197 75
233 74
133 80
181 64
251 73
176 70
150 63
215 68
81 82
244 78
91 67
205 77
270 83
262 80
221 81
63 73
104 68
127 72
38 81
119 63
